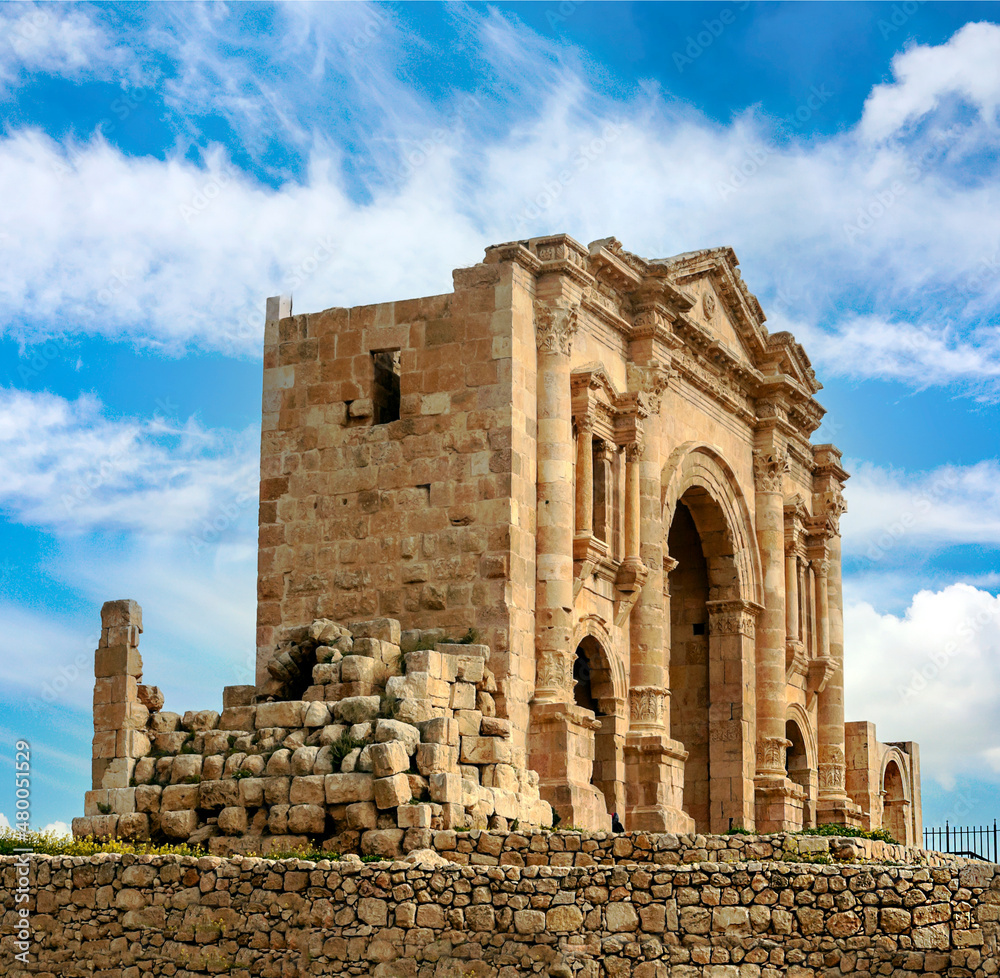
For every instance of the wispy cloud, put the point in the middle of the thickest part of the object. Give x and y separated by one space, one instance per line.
70 468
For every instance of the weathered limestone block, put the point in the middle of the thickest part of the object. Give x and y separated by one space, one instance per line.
178 824
133 827
389 759
357 709
324 631
350 761
119 660
364 762
288 714
307 819
436 758
308 790
279 764
469 722
425 660
382 842
357 669
277 819
392 791
502 776
171 743
440 730
325 673
176 797
408 735
276 790
323 764
238 718
384 629
235 696
233 764
446 788
200 720
485 750
145 768
251 792
416 712
216 741
303 759
164 723
150 697
316 715
147 798
218 794
233 820
185 767
494 727
486 704
343 789
413 816
331 733
419 686
463 696
361 815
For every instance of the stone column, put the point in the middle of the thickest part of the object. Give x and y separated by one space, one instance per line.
820 569
834 804
633 460
584 477
604 499
791 596
769 469
120 716
561 734
555 518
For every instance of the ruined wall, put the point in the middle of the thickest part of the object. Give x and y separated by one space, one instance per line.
409 518
167 915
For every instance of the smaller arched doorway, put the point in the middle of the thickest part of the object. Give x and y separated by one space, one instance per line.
593 689
894 803
800 770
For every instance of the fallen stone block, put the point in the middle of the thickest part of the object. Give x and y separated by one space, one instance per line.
358 709
178 824
392 791
388 759
200 720
288 714
233 820
407 734
306 820
317 715
384 629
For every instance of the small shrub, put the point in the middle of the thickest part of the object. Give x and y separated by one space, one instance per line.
343 746
388 706
471 637
104 808
241 774
193 779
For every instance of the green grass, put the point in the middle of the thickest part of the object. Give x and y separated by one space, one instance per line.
343 746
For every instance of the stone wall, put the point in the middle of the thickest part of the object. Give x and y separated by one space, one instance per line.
168 915
376 732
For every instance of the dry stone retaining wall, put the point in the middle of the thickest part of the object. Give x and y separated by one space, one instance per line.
125 916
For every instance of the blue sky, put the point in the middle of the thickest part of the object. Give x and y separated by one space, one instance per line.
165 167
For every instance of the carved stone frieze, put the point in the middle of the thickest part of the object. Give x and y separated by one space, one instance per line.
832 768
555 672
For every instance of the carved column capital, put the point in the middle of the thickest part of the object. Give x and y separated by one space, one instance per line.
732 617
554 328
634 452
771 755
554 676
646 705
769 468
836 506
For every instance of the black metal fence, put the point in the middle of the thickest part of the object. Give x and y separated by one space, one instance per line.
979 841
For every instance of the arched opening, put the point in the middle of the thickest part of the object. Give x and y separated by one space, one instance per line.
593 690
797 766
689 672
894 803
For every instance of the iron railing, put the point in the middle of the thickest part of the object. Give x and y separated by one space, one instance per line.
978 841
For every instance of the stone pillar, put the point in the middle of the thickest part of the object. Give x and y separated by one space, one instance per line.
561 735
633 460
604 499
769 469
791 597
778 801
584 477
820 569
555 517
120 717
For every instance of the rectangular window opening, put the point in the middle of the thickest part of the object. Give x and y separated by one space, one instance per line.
699 628
385 390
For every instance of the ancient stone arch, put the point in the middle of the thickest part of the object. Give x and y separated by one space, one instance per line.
801 759
895 796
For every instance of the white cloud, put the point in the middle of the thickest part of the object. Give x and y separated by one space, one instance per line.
69 467
966 66
56 39
4 823
172 253
931 675
891 510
